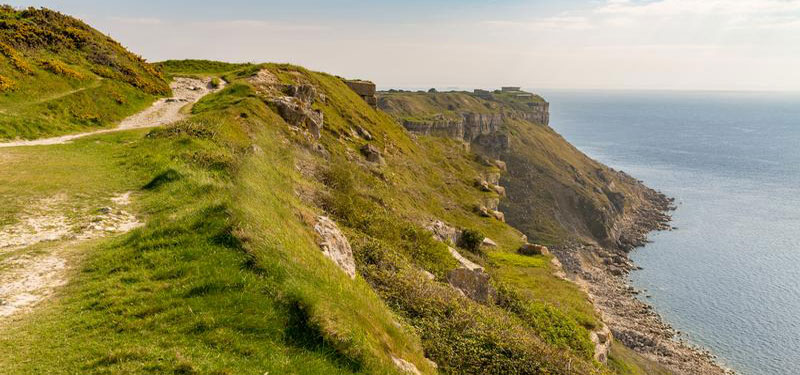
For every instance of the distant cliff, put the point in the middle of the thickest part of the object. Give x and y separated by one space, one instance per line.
554 192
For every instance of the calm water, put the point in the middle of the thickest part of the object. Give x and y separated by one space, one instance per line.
730 275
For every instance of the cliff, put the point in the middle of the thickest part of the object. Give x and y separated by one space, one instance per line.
554 192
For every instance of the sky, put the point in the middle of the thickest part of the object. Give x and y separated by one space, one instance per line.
567 44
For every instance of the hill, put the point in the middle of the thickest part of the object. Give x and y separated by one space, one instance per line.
58 75
288 226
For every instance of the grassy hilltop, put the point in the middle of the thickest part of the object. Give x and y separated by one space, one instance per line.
58 75
226 276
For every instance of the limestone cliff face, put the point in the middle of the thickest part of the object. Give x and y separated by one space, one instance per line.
554 192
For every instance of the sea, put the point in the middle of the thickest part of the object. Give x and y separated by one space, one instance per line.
729 276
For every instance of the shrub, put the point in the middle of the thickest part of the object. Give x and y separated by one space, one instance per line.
57 67
10 53
6 84
215 82
471 240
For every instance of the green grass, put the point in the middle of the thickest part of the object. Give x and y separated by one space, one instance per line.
198 67
61 76
625 361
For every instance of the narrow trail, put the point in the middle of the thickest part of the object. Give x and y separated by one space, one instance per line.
96 83
164 111
29 275
37 249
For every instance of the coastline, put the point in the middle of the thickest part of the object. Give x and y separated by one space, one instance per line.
602 272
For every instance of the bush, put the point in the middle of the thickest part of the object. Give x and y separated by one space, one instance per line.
471 240
6 84
57 67
215 82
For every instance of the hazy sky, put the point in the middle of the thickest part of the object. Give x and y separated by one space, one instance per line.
618 44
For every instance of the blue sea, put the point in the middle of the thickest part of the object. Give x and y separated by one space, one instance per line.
729 276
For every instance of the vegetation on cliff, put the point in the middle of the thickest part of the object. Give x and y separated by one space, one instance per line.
227 275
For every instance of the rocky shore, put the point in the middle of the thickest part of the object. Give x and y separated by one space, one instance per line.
603 273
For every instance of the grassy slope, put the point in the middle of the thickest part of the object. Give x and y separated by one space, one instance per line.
62 76
227 278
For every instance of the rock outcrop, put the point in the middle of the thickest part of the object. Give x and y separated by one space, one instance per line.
372 154
364 89
335 246
299 113
443 232
292 102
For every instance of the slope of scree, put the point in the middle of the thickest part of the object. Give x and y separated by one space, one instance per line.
59 75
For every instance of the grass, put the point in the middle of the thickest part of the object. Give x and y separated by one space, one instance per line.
61 76
198 67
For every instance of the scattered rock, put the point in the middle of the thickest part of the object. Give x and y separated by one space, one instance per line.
500 164
483 211
335 245
428 275
363 133
498 215
531 249
499 190
483 185
372 154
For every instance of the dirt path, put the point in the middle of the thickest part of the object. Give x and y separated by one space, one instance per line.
92 85
29 273
164 111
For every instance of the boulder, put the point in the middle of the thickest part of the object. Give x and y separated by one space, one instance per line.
363 133
443 232
464 262
372 154
335 245
531 249
500 164
405 366
483 211
498 215
499 190
473 283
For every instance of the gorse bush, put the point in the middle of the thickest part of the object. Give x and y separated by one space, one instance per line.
6 84
57 67
471 240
